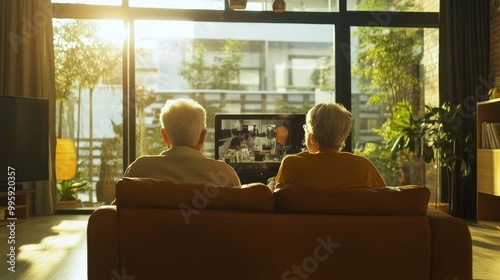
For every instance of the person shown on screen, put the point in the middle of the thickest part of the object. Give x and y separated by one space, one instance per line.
183 130
270 143
281 133
324 165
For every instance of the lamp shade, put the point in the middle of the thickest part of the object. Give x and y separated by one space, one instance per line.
65 159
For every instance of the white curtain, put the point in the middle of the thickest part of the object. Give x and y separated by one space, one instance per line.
27 69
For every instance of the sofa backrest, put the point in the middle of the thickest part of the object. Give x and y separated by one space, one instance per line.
403 200
256 197
155 239
160 194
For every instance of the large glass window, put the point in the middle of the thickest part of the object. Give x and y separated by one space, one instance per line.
241 62
89 95
394 74
228 68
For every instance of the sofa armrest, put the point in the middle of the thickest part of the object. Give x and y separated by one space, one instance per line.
102 243
451 247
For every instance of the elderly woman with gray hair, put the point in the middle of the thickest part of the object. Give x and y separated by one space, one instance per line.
324 165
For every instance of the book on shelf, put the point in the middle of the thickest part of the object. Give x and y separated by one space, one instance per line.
484 139
490 135
495 128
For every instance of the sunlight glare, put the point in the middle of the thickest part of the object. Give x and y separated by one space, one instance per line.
147 31
90 2
71 238
67 236
112 31
176 4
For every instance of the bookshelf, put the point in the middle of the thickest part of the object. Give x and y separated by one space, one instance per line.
488 168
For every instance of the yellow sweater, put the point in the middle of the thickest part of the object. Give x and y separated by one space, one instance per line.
328 170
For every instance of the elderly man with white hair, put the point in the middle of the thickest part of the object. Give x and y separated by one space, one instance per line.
183 131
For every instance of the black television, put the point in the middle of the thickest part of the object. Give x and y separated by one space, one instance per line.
24 140
255 144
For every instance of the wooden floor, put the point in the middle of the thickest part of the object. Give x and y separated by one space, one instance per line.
54 247
48 247
486 252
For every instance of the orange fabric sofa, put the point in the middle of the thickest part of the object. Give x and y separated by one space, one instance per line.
161 230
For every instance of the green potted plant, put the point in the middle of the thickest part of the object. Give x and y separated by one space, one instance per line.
68 191
435 137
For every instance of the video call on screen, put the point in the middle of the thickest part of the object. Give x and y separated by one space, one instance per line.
258 138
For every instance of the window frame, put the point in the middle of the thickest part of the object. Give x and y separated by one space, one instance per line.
342 21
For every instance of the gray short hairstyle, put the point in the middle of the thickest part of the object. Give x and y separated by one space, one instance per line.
330 123
183 120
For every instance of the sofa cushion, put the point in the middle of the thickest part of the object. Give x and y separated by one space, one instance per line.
153 193
403 200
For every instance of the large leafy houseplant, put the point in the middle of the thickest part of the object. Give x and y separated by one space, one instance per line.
444 128
436 137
